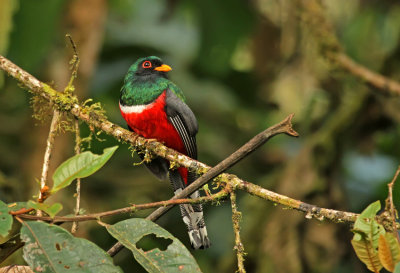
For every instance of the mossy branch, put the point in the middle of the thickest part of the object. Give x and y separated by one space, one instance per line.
236 218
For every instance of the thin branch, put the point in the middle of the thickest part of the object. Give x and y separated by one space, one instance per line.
311 211
131 209
236 218
74 227
43 193
390 204
70 88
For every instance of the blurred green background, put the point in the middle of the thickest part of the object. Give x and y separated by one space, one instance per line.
243 66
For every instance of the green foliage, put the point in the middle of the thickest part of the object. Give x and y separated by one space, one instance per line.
366 253
367 226
176 258
6 219
365 239
51 210
80 166
50 248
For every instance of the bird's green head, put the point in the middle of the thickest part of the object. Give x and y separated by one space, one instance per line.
145 81
148 68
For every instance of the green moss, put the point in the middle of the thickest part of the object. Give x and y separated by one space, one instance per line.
41 109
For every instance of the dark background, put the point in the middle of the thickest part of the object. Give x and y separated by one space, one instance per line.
243 66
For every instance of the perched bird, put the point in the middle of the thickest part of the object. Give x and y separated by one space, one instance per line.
154 107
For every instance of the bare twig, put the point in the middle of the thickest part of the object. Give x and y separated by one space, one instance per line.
43 193
390 204
236 218
131 209
69 89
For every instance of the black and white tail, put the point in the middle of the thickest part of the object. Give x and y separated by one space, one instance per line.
192 215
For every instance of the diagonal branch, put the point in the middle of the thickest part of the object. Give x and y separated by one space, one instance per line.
43 193
284 126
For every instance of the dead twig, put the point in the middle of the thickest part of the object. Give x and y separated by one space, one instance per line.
390 204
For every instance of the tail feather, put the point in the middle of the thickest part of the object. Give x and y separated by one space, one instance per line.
192 215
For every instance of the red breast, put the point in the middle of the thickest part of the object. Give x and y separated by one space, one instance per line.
150 121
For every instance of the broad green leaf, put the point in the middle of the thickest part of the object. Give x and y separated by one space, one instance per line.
366 253
389 251
176 258
79 166
6 219
367 224
50 248
51 210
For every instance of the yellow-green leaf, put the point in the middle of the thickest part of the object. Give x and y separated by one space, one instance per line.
366 252
389 251
367 225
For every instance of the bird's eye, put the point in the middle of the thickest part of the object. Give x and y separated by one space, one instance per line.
146 64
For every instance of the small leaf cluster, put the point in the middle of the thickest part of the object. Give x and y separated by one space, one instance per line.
374 246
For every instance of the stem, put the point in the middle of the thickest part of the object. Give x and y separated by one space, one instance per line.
74 227
236 218
43 193
131 209
390 204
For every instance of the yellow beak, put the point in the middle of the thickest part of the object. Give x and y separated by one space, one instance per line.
163 68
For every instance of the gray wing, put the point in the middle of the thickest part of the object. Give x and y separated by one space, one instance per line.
184 121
